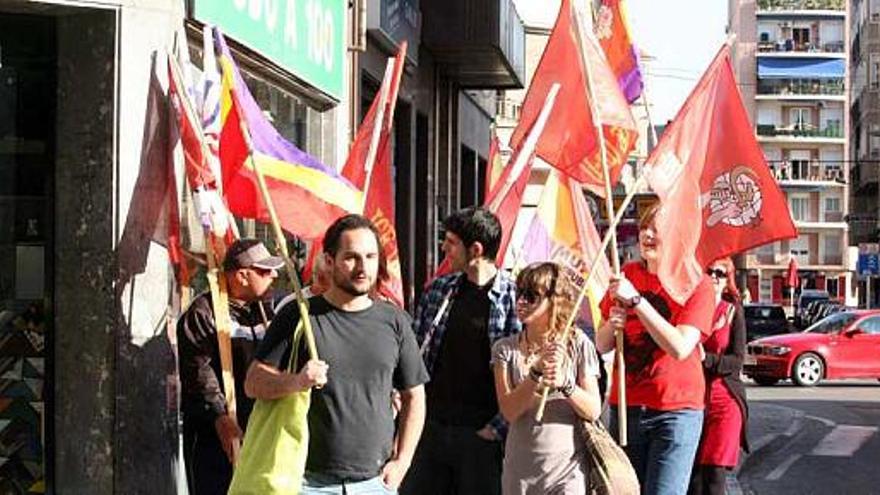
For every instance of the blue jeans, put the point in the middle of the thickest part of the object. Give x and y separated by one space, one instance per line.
315 484
662 446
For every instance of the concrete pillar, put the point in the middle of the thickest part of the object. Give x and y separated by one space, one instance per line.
85 313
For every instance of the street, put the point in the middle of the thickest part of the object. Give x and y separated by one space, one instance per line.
812 440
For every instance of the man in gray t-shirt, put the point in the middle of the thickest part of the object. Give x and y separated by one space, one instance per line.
366 351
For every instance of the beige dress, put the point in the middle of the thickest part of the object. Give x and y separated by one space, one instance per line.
547 458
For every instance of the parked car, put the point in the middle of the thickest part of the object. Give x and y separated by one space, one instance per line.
804 299
764 319
815 311
842 345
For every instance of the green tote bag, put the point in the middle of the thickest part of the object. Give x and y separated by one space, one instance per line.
276 443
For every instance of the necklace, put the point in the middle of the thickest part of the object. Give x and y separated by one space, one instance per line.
530 352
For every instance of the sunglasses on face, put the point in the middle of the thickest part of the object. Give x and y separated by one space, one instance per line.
263 272
716 272
529 296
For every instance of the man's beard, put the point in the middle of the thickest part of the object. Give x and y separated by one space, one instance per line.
346 285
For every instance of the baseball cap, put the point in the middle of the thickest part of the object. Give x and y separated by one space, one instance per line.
247 253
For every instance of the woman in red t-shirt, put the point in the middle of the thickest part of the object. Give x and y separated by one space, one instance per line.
665 389
724 423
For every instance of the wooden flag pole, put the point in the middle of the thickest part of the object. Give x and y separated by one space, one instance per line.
281 241
378 124
216 280
615 260
524 153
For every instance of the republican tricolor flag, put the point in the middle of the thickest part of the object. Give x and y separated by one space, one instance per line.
563 231
307 194
612 30
716 192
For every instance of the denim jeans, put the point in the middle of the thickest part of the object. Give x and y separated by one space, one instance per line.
315 484
662 446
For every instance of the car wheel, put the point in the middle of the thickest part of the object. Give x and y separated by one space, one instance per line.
765 381
808 370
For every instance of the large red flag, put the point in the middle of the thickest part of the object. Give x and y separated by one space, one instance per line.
505 199
494 167
570 141
368 168
716 193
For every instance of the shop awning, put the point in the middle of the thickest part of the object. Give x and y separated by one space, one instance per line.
800 68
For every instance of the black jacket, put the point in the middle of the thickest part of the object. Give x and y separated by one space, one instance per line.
729 366
201 378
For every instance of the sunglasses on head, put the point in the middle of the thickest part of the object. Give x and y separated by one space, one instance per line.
529 296
716 272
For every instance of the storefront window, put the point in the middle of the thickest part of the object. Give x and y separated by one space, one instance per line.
27 101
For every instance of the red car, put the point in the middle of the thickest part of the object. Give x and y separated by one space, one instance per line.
843 345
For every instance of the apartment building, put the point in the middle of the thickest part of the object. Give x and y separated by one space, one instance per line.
790 60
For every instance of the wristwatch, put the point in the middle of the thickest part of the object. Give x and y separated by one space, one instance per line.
567 389
634 301
535 374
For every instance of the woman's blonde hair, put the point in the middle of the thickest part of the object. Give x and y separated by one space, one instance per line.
549 280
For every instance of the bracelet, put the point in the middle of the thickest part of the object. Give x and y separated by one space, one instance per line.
535 375
567 389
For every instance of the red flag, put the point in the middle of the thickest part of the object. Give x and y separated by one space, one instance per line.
368 168
495 167
505 200
716 192
570 141
195 150
792 276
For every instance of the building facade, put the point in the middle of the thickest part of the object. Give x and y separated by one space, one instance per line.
790 59
88 303
864 134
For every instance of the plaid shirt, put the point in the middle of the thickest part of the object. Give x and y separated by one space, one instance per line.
433 310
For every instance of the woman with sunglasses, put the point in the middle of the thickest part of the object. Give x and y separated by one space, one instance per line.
665 389
726 411
546 457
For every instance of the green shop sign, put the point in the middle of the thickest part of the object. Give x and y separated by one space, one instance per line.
305 37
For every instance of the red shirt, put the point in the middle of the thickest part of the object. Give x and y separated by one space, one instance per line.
655 379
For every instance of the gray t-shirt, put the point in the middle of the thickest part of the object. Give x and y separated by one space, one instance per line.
546 457
369 353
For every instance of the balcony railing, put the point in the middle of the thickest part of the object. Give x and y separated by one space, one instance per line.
811 171
782 259
790 45
800 87
801 4
832 129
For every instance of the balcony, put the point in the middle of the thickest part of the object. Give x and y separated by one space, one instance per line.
783 5
865 174
792 47
807 173
801 89
479 44
807 133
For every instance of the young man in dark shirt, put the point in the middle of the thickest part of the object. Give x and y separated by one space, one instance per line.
458 319
210 435
367 350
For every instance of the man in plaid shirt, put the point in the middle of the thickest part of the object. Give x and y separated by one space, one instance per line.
458 319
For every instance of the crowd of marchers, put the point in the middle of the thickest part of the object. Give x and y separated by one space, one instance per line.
444 402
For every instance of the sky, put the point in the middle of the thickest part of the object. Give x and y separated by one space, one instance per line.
683 36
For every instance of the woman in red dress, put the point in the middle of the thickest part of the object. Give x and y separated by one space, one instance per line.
724 424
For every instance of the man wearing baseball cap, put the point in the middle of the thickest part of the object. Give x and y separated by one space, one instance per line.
210 435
